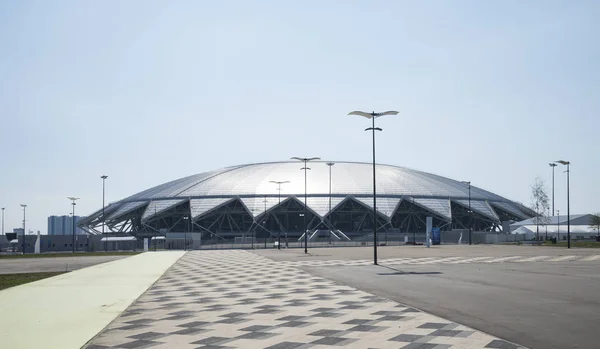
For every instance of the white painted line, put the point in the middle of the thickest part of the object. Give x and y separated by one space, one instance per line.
590 258
531 259
503 259
418 260
562 258
442 260
469 260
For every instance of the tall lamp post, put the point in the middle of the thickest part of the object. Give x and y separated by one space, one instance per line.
568 164
557 226
553 165
373 116
468 183
3 220
23 242
73 199
330 165
279 183
305 168
104 177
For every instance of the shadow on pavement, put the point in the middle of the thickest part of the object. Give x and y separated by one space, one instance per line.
401 272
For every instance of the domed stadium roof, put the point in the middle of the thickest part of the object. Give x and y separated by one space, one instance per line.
251 183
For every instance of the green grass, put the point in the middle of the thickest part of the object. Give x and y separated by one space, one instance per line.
574 243
68 254
10 280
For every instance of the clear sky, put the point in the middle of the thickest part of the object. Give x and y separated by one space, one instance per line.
150 91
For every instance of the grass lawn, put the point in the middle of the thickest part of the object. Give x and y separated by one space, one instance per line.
10 280
589 244
67 254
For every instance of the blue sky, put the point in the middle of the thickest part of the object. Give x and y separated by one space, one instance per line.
150 91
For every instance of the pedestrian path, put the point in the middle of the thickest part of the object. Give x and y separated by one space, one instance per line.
444 260
236 299
66 311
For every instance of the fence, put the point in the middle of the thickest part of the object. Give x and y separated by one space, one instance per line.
93 243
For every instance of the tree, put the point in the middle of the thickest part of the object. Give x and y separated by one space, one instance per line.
539 201
595 222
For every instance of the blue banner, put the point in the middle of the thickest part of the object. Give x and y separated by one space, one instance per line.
435 236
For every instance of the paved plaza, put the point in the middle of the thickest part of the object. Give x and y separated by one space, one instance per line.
237 299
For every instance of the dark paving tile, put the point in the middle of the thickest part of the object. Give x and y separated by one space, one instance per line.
138 344
212 340
353 306
290 318
267 311
366 328
327 314
256 335
191 331
444 333
425 346
194 324
500 344
329 341
294 324
325 333
255 328
357 321
433 325
132 327
409 338
147 335
392 318
232 320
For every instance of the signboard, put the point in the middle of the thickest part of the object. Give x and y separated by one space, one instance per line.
435 236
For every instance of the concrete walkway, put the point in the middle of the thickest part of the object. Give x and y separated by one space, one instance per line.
68 310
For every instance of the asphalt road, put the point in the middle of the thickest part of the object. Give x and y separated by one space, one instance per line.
539 305
346 253
36 265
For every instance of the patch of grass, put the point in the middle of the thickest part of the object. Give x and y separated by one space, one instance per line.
10 280
68 254
574 243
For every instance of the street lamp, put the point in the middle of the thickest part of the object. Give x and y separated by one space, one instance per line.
305 168
553 165
373 116
568 164
330 164
279 183
73 199
104 177
23 242
265 220
557 227
470 211
3 220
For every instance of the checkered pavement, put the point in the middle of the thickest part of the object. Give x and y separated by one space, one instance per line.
236 299
443 260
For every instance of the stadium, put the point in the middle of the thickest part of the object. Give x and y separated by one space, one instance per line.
241 202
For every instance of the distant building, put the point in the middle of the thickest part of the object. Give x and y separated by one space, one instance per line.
63 225
18 231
